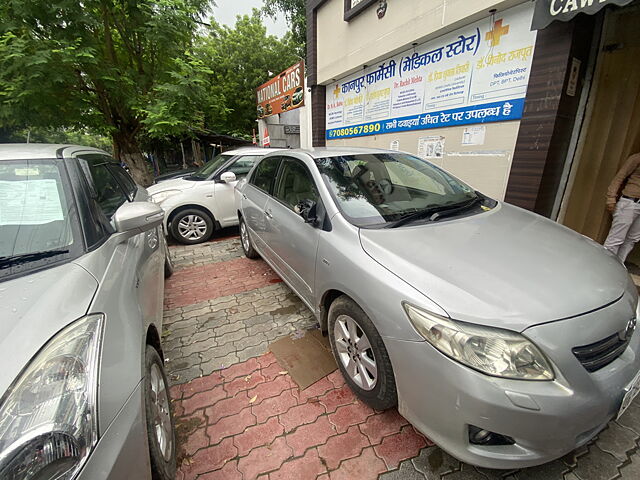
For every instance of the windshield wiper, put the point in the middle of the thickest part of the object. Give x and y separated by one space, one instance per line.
452 211
29 257
434 213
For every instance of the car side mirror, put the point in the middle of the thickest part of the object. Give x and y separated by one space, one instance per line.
307 210
137 217
228 177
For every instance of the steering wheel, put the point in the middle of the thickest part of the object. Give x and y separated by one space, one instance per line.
386 186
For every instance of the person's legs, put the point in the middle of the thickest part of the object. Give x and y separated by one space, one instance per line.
623 217
633 235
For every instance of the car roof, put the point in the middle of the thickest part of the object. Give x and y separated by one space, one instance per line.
322 152
30 151
252 151
26 151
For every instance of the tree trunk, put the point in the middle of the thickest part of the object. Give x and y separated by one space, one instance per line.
127 151
184 159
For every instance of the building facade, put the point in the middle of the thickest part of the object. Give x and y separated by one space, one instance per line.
533 102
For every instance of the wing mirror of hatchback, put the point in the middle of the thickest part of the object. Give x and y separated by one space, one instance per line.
137 217
307 210
228 177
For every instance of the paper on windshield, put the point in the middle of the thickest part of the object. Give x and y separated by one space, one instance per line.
29 202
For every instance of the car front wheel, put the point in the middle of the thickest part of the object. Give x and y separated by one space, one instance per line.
191 226
361 354
160 427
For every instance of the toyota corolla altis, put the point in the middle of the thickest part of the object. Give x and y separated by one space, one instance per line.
507 339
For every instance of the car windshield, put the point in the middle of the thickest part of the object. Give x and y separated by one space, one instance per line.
35 218
211 166
378 188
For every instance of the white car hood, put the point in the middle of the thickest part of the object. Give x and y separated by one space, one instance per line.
172 184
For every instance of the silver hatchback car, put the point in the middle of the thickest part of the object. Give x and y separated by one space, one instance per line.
83 394
507 339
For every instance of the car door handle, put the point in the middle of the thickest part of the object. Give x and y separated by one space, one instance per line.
244 196
267 214
209 196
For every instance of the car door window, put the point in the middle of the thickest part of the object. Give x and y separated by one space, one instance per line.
243 165
107 191
125 180
264 175
295 184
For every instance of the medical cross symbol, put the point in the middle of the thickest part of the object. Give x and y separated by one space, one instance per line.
496 33
336 91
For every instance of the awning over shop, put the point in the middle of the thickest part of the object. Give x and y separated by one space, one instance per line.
564 10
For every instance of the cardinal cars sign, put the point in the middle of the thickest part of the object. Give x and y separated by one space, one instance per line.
283 92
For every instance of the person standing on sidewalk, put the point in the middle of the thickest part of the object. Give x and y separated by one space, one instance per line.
625 228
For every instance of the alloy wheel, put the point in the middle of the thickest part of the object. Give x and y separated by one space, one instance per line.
355 352
244 237
161 415
192 227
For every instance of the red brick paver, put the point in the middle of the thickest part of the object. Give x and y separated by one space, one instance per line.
252 422
400 446
197 284
311 435
342 447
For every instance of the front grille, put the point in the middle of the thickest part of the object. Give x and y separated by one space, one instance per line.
600 354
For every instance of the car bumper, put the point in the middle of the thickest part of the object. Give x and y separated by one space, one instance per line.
122 451
547 420
165 220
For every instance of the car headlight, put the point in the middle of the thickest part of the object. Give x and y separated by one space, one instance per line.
494 351
48 419
162 196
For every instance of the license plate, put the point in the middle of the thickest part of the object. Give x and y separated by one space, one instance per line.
631 392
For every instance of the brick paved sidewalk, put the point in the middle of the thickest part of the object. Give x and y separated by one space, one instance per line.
240 416
251 419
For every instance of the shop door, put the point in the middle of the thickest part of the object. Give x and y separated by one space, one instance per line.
612 128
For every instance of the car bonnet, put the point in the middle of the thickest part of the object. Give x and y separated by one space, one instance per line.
507 268
33 308
171 184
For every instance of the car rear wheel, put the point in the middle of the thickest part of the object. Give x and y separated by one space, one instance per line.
245 239
160 427
361 355
168 265
191 226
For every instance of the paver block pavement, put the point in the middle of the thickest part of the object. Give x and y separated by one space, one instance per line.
239 415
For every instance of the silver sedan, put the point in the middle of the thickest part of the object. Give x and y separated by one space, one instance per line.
507 339
83 394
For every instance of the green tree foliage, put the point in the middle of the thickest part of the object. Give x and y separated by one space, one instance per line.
242 58
295 13
117 67
55 135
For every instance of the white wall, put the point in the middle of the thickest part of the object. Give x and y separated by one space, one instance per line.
305 119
